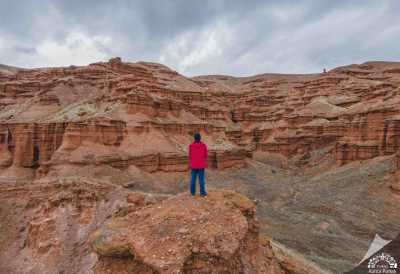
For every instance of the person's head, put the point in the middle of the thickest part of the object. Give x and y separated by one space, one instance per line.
197 137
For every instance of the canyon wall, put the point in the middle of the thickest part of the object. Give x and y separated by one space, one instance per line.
143 115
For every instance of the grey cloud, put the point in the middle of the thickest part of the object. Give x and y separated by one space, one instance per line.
202 37
24 49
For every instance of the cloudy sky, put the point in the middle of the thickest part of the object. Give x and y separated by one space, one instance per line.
234 37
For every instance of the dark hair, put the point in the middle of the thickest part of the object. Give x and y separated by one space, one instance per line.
197 137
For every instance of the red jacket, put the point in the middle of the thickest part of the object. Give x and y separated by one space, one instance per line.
197 155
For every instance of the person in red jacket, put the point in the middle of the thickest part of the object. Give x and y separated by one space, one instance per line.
197 162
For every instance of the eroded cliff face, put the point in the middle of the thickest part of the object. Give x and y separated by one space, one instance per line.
143 114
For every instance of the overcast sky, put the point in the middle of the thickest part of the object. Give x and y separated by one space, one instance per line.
201 37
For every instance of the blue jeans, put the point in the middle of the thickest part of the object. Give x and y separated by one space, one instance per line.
194 174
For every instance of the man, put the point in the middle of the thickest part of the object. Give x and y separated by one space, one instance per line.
197 162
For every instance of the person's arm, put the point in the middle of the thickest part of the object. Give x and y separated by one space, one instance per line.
190 154
205 154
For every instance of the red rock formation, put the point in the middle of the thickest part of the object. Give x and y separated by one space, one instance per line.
50 226
143 114
186 235
45 226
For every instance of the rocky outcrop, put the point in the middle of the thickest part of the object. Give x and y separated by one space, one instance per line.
77 225
183 234
31 144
